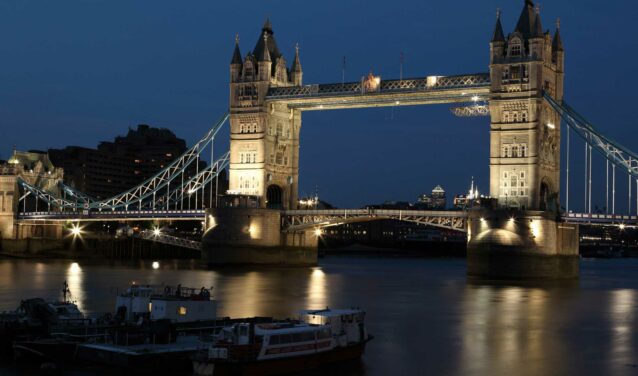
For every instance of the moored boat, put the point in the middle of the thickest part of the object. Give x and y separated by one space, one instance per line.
319 337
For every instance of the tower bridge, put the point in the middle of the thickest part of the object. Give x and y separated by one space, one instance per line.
524 231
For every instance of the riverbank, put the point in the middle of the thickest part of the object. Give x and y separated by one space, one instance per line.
98 248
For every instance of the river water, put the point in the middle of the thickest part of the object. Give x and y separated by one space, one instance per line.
426 317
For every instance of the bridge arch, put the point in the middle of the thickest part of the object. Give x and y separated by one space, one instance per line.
274 197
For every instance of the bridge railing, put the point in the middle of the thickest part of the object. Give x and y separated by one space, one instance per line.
386 86
112 215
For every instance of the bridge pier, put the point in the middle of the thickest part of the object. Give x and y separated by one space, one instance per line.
236 236
506 244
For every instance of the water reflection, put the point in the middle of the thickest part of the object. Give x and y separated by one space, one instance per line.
504 327
75 279
316 295
622 313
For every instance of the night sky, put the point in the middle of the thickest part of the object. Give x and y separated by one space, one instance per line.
79 72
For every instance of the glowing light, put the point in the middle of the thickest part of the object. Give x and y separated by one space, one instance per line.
75 268
475 98
76 230
551 126
318 232
534 227
157 231
512 220
397 102
155 265
622 226
482 219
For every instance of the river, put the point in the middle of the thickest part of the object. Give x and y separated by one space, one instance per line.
426 317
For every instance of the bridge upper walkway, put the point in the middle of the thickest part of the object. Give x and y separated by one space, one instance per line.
404 92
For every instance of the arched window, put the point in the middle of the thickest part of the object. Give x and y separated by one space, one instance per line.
516 50
514 151
523 154
524 116
506 117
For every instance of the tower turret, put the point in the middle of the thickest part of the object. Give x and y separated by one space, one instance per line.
497 45
265 63
296 74
236 62
537 39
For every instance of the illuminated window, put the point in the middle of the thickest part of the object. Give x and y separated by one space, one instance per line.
169 154
181 311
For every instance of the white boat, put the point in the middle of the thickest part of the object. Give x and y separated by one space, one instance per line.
318 337
178 304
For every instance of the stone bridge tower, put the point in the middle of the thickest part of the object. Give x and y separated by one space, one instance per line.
525 132
264 141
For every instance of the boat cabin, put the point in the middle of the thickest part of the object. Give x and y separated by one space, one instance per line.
347 325
179 304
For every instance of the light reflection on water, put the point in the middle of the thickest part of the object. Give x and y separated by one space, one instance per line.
426 317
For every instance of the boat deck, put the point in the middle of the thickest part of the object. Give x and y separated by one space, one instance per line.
182 344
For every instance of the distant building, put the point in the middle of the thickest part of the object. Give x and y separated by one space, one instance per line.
434 201
116 166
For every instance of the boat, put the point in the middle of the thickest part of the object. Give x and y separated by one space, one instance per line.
178 304
318 338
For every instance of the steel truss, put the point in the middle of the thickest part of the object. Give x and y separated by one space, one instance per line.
610 149
470 111
297 220
387 86
154 187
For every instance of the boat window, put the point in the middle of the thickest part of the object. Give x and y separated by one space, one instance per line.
243 330
323 334
181 311
297 337
285 338
274 340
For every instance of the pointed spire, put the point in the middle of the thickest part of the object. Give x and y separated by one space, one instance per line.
296 64
267 26
557 43
538 26
498 29
265 54
525 23
236 54
269 44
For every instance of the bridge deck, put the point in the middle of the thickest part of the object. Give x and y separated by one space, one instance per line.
418 91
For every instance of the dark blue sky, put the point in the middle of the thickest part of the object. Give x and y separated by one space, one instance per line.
77 72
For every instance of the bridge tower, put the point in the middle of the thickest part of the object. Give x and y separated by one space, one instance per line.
264 141
520 236
525 131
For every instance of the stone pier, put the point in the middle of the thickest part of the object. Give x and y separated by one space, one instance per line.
236 236
506 244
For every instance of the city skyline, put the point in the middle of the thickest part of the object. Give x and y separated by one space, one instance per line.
83 93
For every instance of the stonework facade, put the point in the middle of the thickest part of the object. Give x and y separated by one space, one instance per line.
525 132
264 145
